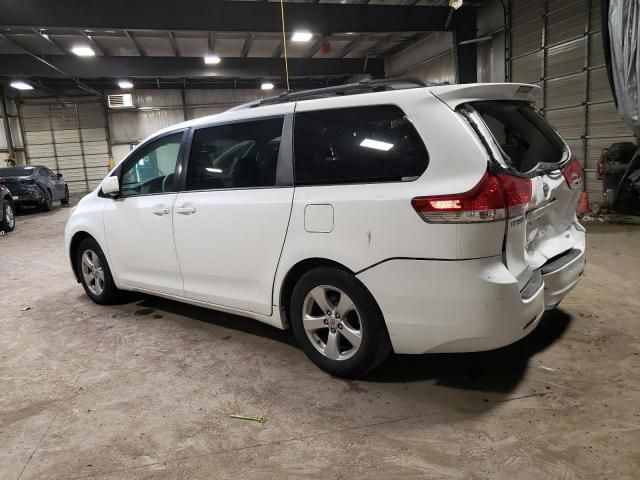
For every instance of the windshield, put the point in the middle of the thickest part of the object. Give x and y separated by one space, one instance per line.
16 172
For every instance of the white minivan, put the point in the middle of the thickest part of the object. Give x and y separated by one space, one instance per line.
366 217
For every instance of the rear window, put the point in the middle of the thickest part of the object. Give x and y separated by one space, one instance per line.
357 145
525 137
16 171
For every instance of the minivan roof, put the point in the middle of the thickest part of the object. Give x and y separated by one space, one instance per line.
451 95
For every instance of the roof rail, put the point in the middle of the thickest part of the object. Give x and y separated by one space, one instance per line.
337 90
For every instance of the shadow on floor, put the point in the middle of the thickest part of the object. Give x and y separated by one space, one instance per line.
498 371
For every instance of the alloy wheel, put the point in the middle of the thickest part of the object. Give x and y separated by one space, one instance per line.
332 322
92 272
9 216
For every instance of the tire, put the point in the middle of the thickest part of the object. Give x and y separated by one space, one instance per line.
48 201
8 219
65 200
100 286
339 357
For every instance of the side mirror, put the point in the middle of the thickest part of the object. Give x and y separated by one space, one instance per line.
58 176
111 186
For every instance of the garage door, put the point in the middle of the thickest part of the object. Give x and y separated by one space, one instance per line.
69 138
557 44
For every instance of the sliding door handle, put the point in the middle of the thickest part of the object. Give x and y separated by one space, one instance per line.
185 210
160 210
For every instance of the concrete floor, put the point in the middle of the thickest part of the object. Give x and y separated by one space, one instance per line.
145 390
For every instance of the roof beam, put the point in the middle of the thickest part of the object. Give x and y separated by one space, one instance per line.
183 67
223 16
248 41
174 45
277 52
315 47
50 40
349 47
45 66
93 43
135 43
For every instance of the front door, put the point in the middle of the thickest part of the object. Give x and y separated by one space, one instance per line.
231 219
139 223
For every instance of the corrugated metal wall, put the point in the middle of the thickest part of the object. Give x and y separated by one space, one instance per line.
69 138
558 46
430 58
156 109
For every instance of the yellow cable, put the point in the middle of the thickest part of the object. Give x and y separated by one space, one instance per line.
284 44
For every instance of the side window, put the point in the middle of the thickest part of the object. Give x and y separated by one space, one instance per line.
151 170
239 155
357 145
45 172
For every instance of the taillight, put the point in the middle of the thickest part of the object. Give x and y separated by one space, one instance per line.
573 173
490 200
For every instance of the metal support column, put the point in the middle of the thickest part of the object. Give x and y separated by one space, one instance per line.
4 111
465 56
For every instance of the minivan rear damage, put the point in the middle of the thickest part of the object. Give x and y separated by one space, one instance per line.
524 147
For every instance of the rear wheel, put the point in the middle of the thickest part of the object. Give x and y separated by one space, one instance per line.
8 220
95 274
48 201
337 323
65 200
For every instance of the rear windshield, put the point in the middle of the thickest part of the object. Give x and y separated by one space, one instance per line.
525 137
16 171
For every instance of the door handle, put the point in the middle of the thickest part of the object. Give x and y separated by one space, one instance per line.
160 210
185 210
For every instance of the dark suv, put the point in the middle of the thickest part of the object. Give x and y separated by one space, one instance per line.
34 185
7 218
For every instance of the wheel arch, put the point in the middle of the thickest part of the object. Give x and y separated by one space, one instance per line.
73 248
294 274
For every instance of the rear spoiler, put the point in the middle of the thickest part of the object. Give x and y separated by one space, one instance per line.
455 95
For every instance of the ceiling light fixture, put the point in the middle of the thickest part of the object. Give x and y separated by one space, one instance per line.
20 85
376 144
125 84
301 36
266 86
212 59
83 51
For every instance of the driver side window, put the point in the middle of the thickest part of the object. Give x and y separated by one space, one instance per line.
152 169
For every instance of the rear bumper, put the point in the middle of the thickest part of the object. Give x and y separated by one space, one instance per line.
27 195
562 275
452 306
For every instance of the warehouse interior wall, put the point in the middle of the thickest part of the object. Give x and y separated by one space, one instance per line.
557 45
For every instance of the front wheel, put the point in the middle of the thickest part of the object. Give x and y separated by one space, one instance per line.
337 322
8 220
95 274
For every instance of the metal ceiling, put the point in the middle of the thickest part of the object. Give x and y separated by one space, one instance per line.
164 44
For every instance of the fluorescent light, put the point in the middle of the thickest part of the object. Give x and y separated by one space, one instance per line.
213 170
125 84
20 85
266 86
212 59
376 145
301 36
83 51
45 35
